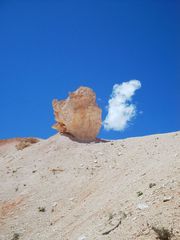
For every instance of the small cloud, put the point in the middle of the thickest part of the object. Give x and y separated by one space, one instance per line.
120 108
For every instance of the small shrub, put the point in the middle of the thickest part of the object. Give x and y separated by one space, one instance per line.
152 185
41 209
163 233
15 236
139 193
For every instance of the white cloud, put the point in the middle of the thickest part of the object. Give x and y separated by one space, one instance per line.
120 107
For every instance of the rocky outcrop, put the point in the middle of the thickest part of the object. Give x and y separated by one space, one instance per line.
78 115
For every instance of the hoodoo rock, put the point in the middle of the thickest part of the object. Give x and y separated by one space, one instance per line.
78 115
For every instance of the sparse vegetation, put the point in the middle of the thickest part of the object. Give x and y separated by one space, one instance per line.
15 236
139 193
41 209
152 185
26 142
163 233
146 209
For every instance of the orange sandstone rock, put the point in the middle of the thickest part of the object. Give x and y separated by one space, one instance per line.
78 115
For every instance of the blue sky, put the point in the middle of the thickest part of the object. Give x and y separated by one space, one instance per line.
51 47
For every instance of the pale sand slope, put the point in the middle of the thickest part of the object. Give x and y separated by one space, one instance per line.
93 191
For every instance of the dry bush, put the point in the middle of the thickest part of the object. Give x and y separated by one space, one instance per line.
15 236
26 142
163 233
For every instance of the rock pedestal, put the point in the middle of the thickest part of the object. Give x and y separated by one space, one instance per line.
78 115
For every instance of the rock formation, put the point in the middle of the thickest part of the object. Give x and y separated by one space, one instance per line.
78 115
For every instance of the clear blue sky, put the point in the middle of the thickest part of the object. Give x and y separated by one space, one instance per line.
51 47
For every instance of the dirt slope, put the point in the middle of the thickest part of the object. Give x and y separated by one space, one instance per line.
60 189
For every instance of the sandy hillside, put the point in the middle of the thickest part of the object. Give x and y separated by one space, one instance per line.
59 189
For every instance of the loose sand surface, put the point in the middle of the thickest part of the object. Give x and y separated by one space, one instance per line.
59 189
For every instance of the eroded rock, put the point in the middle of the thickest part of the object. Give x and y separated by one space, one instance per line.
78 115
